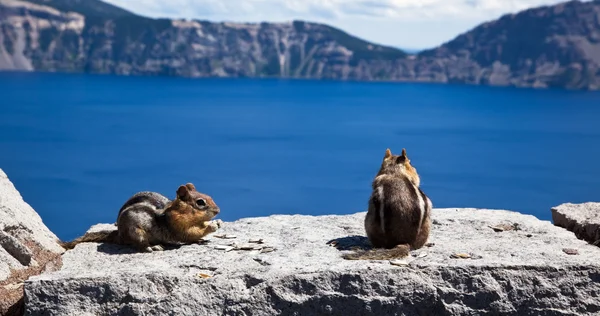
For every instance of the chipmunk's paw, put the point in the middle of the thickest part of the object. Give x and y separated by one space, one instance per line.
158 248
213 226
154 248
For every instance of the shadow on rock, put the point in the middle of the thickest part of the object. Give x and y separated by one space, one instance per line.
351 243
114 249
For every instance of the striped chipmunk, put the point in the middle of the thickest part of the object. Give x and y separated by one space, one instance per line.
148 221
399 216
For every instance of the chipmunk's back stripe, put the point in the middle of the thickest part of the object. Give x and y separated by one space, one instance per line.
415 198
422 207
426 208
131 201
381 208
140 207
377 205
150 197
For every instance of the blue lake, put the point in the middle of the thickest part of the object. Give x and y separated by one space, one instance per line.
77 146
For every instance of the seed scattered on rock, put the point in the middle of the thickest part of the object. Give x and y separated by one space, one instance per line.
267 249
223 247
13 286
497 228
225 236
262 262
204 275
505 227
248 247
256 241
570 251
399 262
460 256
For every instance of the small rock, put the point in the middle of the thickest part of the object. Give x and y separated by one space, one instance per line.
15 248
581 219
256 241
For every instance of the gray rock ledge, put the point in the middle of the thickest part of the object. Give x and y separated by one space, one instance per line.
527 271
582 219
27 247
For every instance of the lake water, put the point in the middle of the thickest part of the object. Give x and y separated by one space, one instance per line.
77 146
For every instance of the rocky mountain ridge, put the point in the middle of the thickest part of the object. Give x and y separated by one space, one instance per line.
552 46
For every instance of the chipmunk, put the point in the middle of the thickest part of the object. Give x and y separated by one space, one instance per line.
399 214
148 221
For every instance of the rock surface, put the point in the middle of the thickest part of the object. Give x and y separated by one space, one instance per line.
582 219
514 265
549 46
27 247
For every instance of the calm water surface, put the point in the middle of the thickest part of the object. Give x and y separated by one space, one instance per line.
77 146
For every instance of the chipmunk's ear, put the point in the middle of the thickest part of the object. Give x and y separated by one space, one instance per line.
191 187
402 158
388 154
183 192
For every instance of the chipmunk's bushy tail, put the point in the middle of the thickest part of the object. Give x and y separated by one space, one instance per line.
399 251
108 236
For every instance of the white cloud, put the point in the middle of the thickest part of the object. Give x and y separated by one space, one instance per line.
408 23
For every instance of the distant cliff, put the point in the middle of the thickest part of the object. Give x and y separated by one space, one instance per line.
557 46
547 46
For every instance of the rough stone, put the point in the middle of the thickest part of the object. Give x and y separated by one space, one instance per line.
295 268
27 247
582 219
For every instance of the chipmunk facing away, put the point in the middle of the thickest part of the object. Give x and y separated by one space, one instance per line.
149 220
399 214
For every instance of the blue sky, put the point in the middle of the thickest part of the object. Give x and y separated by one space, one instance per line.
413 24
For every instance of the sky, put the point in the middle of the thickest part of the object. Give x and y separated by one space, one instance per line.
408 24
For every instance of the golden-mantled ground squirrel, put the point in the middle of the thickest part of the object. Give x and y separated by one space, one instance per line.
148 221
399 216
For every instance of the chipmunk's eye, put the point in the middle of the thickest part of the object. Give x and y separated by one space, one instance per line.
201 202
